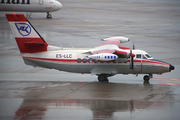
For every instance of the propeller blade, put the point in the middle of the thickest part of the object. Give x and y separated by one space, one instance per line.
133 45
131 59
131 63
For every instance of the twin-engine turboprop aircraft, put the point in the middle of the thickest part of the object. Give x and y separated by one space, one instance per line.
105 60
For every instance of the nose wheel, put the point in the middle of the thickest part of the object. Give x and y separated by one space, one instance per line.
49 15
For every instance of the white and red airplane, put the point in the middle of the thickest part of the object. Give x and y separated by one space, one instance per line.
105 60
30 6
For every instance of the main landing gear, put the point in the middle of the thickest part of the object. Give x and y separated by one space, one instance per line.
103 78
49 15
146 78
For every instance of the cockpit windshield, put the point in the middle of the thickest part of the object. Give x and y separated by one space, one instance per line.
144 56
148 56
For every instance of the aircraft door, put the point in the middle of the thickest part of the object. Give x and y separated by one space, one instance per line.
40 2
138 63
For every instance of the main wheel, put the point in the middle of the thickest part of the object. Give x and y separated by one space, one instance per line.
146 78
102 78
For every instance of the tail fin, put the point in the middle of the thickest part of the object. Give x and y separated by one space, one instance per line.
27 38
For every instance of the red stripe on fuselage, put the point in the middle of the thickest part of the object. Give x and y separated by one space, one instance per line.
154 62
52 60
75 60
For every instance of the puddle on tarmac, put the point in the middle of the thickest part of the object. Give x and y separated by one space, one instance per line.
81 109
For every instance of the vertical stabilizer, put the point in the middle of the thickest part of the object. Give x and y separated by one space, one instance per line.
27 38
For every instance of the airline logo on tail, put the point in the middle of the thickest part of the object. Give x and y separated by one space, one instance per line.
23 28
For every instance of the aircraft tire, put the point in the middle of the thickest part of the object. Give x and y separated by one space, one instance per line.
146 78
49 15
102 78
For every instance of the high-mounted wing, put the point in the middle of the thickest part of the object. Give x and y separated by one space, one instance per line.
109 49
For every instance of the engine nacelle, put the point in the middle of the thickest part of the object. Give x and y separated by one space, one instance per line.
103 56
128 55
120 38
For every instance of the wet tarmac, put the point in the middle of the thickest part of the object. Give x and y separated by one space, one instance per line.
44 94
87 100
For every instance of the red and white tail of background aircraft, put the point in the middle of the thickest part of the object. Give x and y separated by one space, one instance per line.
30 6
105 60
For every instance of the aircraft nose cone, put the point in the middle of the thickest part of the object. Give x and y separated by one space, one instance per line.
171 67
59 5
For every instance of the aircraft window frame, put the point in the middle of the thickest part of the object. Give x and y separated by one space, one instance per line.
90 60
108 61
95 61
79 60
84 60
102 61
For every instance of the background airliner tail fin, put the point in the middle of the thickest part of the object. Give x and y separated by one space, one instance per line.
27 38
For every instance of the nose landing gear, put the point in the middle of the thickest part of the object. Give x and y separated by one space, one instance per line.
49 15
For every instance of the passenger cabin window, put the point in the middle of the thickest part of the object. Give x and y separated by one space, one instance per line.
108 61
138 56
95 61
79 60
90 60
101 61
84 60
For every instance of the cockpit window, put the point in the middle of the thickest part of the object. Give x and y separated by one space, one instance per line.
144 57
147 55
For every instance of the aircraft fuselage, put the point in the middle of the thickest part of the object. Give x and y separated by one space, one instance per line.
74 60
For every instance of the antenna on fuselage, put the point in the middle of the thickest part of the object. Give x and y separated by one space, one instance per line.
71 45
60 45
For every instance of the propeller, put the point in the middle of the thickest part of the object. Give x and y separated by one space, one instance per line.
133 45
132 57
